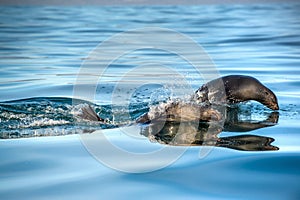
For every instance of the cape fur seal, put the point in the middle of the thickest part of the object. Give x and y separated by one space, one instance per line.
228 89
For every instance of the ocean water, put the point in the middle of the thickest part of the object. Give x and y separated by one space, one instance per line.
57 60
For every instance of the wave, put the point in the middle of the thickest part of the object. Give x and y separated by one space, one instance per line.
55 116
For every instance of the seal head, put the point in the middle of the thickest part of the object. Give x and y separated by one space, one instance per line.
236 88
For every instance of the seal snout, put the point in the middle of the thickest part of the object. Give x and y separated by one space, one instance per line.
274 102
270 99
274 106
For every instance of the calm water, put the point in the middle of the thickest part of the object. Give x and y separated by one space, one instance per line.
42 50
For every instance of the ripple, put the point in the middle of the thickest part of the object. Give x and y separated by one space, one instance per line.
42 48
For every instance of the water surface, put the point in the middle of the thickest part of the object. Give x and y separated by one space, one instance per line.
42 49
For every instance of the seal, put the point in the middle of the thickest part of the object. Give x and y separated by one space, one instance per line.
235 89
225 90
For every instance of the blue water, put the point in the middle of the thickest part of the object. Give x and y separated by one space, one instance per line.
42 148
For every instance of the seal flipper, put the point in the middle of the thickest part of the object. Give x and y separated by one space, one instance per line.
88 113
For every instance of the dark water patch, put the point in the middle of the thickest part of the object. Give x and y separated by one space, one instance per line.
290 43
245 40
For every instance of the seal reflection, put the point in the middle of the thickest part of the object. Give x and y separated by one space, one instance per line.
196 133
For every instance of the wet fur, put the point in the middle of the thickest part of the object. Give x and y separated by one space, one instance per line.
237 88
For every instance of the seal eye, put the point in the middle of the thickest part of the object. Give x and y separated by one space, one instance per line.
266 93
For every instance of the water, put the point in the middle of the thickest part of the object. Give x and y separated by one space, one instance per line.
42 49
